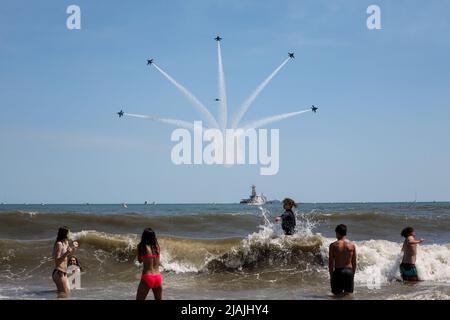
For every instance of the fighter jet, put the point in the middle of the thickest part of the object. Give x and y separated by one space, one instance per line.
291 55
149 61
217 38
314 109
120 113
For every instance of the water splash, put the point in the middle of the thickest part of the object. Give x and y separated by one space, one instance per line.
192 99
266 214
223 111
305 222
248 102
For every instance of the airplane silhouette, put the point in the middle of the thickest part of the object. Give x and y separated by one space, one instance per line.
120 113
149 61
217 99
291 55
217 38
314 109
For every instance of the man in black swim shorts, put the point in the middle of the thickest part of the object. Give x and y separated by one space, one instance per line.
342 263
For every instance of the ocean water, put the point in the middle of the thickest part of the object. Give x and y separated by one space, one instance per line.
221 251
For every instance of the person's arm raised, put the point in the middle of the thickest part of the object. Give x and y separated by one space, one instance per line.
59 257
411 240
279 218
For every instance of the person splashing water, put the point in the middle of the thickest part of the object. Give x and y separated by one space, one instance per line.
288 217
408 266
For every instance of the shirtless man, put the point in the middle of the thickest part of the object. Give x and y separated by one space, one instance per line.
342 263
408 266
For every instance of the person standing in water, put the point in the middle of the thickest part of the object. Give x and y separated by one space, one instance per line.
149 254
73 261
342 263
288 217
408 266
61 251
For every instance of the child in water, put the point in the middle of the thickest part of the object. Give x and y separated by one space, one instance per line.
408 269
73 261
74 270
288 217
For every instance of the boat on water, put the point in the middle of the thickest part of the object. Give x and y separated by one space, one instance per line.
254 199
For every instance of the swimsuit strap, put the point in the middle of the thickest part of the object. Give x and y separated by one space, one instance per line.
64 248
150 255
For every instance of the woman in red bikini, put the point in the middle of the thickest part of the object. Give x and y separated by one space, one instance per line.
148 254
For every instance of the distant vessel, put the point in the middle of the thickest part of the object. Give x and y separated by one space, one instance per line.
255 199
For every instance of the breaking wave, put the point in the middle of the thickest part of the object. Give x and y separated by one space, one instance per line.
267 248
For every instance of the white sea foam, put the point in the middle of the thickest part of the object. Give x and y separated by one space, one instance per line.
430 294
379 260
169 264
30 213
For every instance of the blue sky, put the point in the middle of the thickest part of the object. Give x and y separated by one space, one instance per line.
381 134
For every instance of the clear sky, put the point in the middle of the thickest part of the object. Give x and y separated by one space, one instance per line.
381 133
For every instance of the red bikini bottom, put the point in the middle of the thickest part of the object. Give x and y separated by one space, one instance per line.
152 280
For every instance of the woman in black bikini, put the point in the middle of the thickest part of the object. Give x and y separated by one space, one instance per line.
61 251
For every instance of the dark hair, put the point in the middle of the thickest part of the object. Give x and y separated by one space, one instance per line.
77 263
407 232
290 202
341 229
148 238
63 233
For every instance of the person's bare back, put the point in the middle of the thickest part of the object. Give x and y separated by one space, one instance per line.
343 252
342 263
410 249
408 269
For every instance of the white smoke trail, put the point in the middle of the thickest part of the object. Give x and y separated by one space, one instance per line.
265 121
195 102
175 122
247 103
223 112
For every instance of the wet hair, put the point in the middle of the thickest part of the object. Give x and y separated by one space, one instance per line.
63 233
290 202
148 238
407 232
341 229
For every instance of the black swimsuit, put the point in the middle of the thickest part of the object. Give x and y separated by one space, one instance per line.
288 222
59 272
342 280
